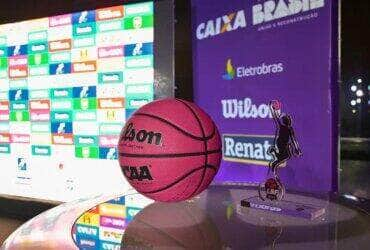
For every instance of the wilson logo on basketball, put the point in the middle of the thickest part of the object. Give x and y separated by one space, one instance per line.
137 173
142 136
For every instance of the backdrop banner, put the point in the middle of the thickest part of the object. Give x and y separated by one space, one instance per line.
247 53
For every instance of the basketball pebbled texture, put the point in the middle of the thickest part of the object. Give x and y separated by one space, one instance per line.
170 150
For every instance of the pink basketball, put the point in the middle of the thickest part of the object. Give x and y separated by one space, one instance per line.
170 150
276 105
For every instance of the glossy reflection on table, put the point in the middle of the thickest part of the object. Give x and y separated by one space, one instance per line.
213 220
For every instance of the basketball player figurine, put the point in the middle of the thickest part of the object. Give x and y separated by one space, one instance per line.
285 145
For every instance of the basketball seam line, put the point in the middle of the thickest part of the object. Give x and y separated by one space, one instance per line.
188 185
179 179
178 128
179 155
204 141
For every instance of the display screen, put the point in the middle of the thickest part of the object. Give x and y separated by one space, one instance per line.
68 83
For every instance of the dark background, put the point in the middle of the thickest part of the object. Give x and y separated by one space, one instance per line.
355 62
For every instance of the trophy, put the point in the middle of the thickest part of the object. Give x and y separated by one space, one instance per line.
285 146
271 193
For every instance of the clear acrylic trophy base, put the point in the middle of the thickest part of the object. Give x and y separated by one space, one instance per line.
284 207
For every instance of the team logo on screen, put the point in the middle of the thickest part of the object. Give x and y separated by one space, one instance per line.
83 17
108 153
276 9
60 68
138 49
18 95
226 23
22 164
247 148
17 50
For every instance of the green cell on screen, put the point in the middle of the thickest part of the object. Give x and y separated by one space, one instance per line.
61 116
39 150
86 141
38 36
113 25
84 29
139 9
4 148
139 22
19 116
87 152
38 59
84 103
3 62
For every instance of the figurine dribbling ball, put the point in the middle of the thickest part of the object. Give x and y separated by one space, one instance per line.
169 150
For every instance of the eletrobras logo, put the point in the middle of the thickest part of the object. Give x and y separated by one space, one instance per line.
226 23
247 148
276 9
244 109
261 69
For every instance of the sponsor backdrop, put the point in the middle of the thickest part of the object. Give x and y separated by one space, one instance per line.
67 85
247 53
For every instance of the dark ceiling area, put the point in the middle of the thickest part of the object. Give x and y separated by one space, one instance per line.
355 63
355 38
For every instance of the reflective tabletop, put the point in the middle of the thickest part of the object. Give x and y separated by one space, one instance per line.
212 220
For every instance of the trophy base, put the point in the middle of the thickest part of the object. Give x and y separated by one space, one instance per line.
284 207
